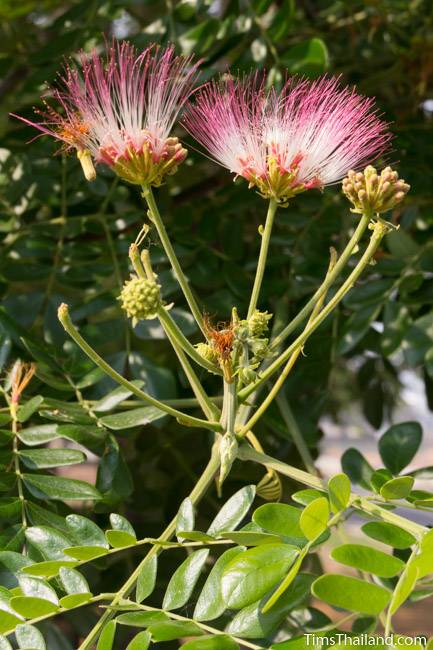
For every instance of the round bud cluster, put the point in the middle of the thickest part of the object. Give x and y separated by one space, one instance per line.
207 352
373 192
258 323
140 299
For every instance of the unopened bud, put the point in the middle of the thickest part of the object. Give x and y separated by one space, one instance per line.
372 192
258 323
228 452
207 352
140 299
247 376
86 161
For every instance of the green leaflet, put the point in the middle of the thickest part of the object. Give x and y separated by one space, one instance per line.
351 594
233 511
210 604
250 575
184 579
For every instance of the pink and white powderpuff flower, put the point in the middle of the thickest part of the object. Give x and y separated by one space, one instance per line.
308 135
120 111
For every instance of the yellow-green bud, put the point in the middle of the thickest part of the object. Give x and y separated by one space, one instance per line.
207 352
228 452
370 192
258 323
140 299
247 375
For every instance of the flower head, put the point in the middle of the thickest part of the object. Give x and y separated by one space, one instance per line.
121 110
308 135
369 191
140 298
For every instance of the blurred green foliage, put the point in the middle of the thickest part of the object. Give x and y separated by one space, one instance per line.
66 240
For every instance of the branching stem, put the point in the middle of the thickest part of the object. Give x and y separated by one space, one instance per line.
379 231
327 283
360 503
182 418
196 495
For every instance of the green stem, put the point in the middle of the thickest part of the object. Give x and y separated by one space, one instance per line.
206 628
182 418
264 248
275 390
61 610
328 282
209 409
179 342
228 416
185 402
297 565
17 466
246 453
169 250
170 325
295 433
391 611
143 268
197 493
379 231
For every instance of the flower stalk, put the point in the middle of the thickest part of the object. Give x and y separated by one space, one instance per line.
263 256
289 365
327 283
379 230
182 418
156 219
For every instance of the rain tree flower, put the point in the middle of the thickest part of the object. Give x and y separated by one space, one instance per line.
120 112
308 135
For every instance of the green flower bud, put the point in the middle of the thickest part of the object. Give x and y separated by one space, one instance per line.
247 375
258 323
370 192
260 348
207 352
140 299
228 452
242 330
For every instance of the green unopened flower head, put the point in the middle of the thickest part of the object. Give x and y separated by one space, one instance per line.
247 375
140 299
207 352
258 323
369 191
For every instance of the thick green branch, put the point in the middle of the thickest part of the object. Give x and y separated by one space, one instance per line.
196 495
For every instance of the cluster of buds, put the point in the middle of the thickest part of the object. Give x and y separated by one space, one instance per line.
140 299
371 192
251 339
144 166
207 352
